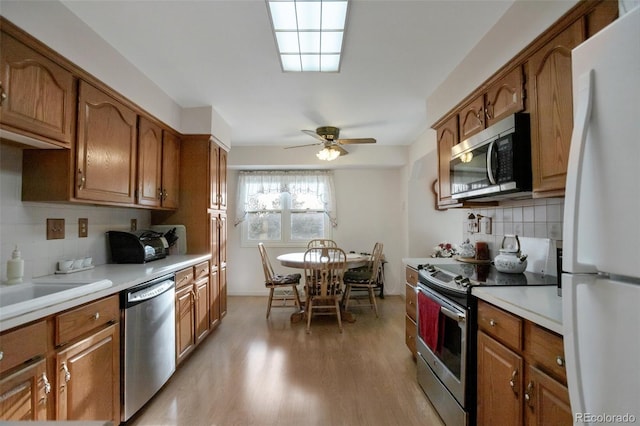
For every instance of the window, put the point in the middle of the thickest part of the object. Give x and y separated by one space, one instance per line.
285 208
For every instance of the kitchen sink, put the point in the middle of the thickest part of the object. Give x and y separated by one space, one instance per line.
18 299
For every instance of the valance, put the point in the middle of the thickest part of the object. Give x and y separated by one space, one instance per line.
308 182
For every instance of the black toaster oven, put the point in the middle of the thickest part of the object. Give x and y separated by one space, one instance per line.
137 247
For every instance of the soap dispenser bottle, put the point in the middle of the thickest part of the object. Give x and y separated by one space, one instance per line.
15 268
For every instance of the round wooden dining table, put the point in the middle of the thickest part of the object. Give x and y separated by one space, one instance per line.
296 260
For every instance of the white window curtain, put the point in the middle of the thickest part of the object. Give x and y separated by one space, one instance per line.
311 182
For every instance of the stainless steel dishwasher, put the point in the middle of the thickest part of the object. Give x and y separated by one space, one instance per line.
148 341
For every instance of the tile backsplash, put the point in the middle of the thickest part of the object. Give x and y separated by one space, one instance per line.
24 224
536 218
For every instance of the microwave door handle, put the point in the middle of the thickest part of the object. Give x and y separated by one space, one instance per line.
492 178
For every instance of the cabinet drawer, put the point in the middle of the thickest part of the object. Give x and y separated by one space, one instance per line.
502 325
201 270
184 277
22 344
410 334
412 276
545 349
411 301
86 318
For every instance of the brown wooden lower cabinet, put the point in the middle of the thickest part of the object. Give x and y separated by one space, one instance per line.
88 378
411 329
24 395
521 376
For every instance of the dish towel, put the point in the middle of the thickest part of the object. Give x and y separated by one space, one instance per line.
431 327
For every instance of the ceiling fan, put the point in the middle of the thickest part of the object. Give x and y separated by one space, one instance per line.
328 136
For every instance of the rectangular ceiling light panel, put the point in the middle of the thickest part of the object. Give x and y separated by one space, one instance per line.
309 33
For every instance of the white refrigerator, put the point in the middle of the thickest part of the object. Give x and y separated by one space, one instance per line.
601 235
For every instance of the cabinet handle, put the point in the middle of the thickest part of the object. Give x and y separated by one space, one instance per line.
81 179
95 316
560 361
528 395
480 115
3 94
492 322
67 374
512 382
1 355
489 113
47 385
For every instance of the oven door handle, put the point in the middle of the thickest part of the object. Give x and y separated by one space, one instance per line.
456 316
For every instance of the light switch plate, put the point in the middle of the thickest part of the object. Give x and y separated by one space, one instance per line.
55 229
83 227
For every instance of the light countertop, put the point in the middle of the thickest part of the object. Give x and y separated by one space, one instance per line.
538 304
123 276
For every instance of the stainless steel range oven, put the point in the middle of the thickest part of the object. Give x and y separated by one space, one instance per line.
446 338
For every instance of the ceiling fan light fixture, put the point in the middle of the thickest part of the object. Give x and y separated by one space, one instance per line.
309 34
328 154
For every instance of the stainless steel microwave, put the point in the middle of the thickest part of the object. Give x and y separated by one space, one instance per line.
495 163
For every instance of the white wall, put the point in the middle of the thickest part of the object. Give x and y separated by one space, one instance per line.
370 204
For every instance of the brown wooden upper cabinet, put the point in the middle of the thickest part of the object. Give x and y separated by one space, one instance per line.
158 165
502 98
551 107
218 170
106 148
37 96
447 137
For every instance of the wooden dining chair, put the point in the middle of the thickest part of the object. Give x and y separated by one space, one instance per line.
321 242
324 268
365 278
287 284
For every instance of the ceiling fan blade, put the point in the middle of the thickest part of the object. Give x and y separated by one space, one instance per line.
341 149
300 146
354 141
313 133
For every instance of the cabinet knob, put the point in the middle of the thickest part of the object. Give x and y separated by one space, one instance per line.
492 322
81 179
96 316
560 361
1 355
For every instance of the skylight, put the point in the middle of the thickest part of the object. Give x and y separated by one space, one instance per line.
309 33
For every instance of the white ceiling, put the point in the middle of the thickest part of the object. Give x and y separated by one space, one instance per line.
223 54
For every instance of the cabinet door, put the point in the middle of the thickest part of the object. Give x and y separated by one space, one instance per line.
223 264
88 378
40 94
500 379
185 327
149 163
447 137
201 288
170 170
222 179
214 299
214 162
505 97
551 110
24 395
546 400
106 151
472 118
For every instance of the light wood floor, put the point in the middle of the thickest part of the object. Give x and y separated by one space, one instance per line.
253 371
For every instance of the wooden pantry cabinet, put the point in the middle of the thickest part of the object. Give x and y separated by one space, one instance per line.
65 367
521 377
37 95
204 171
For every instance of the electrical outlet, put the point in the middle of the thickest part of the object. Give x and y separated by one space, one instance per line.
55 229
83 227
134 224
